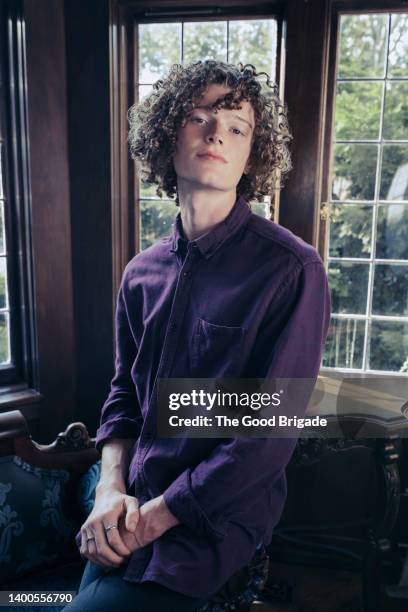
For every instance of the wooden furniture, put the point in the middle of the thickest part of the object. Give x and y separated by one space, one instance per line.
50 477
347 506
346 509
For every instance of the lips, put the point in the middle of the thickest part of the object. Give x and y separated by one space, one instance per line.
212 157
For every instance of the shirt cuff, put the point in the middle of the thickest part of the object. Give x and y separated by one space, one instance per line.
119 428
181 502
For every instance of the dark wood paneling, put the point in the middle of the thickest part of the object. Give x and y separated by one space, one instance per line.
51 232
87 47
306 50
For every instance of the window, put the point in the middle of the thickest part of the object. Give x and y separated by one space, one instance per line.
5 349
251 40
17 335
367 244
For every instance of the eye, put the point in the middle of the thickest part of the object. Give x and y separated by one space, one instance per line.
198 120
236 130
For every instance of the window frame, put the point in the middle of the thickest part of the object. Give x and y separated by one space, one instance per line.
338 8
19 379
302 205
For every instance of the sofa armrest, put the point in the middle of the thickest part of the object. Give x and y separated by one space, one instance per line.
39 509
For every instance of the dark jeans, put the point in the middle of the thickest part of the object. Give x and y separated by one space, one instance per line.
106 591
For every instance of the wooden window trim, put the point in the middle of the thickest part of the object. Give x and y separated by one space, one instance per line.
21 378
338 7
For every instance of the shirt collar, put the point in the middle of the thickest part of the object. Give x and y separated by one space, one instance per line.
211 241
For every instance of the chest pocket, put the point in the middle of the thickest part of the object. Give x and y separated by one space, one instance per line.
216 350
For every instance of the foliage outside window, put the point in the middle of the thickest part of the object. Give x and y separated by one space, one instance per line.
162 44
368 232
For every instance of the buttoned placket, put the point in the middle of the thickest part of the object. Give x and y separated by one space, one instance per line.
195 254
178 308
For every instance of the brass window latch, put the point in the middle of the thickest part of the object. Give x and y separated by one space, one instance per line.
326 214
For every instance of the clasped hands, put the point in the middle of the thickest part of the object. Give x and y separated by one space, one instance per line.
137 527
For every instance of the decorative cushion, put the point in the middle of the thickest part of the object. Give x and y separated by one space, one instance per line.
34 532
86 488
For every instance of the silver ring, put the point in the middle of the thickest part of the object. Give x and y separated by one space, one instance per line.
111 527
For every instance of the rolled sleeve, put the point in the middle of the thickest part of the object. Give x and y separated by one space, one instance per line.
181 501
121 415
237 470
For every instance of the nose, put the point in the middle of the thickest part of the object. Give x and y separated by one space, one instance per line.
214 135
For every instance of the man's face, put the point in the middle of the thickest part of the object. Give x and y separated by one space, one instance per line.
212 149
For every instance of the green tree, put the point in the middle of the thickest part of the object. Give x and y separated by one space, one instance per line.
363 48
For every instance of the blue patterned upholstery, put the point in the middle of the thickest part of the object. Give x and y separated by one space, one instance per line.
34 532
86 488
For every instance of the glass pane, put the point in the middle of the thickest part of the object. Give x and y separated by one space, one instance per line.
159 48
354 171
4 338
394 173
398 52
156 219
205 40
261 209
348 283
253 42
396 111
350 231
3 282
144 90
390 293
148 191
358 111
2 230
345 344
392 231
389 346
363 44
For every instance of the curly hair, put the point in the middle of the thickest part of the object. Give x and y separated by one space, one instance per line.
154 122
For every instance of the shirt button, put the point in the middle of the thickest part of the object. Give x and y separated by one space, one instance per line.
186 273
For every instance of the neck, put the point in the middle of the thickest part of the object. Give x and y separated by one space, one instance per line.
202 209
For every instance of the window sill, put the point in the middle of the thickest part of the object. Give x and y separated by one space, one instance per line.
19 397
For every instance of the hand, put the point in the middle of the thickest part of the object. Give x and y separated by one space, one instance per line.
108 548
154 519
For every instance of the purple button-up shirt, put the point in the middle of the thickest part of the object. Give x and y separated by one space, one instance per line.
248 299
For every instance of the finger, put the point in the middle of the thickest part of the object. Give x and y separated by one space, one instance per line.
84 548
104 552
132 512
90 551
88 542
115 539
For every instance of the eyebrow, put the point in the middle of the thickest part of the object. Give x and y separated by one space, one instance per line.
244 120
208 107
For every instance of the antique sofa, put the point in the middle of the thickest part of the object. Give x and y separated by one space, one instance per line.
46 493
346 509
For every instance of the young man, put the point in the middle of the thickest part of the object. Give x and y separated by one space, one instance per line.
228 294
